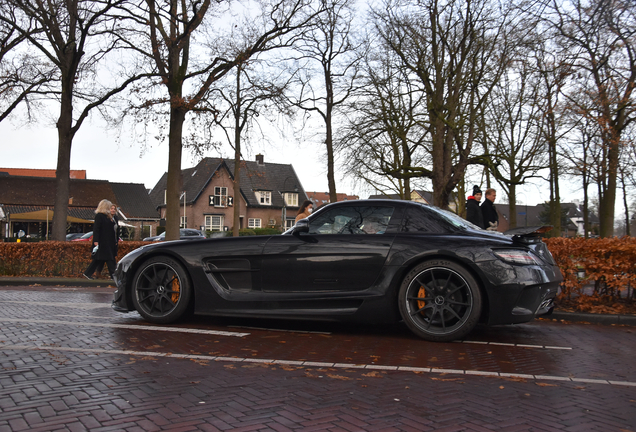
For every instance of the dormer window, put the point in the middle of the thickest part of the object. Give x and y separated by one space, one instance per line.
291 199
220 198
264 197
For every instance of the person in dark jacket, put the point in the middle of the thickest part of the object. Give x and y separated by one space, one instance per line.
473 212
489 212
105 237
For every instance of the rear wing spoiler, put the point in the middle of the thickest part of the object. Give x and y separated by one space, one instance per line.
528 234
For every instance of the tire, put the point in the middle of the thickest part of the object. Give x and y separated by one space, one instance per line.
440 301
161 290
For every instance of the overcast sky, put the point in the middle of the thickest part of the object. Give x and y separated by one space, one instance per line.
97 151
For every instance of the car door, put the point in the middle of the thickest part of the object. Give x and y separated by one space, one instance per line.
344 250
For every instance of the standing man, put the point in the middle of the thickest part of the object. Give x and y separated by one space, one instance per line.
473 212
488 210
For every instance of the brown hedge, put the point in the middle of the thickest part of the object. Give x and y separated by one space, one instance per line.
607 266
600 267
51 258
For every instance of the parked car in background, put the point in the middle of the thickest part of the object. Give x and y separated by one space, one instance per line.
84 237
88 237
373 261
184 234
73 236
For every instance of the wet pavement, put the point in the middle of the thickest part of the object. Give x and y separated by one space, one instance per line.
69 362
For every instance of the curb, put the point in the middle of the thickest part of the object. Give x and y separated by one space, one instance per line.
606 319
55 281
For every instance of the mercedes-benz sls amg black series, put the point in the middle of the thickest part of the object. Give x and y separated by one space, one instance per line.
367 261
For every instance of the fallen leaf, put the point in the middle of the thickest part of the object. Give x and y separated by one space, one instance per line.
339 377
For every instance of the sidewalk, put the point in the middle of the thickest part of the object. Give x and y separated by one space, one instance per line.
606 319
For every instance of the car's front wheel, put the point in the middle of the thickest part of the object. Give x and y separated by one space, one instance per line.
161 290
440 301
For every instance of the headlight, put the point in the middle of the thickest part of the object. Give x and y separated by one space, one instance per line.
516 256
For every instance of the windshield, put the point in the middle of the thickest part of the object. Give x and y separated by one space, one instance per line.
455 220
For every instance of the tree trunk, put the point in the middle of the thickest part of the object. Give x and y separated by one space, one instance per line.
237 157
173 188
608 200
555 199
65 135
331 177
512 204
627 230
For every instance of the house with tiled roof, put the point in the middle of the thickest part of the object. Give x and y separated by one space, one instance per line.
322 198
27 204
536 215
270 195
33 172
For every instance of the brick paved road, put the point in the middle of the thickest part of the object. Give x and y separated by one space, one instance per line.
69 362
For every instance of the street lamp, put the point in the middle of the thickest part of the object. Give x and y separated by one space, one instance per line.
185 224
282 194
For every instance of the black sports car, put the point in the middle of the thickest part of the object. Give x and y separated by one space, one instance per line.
367 260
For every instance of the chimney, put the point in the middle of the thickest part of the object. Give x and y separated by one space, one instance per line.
260 160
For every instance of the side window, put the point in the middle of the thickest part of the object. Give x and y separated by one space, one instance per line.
352 220
419 220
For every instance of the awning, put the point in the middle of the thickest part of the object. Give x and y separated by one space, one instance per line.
42 216
121 223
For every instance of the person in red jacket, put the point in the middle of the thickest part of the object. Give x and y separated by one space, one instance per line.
473 212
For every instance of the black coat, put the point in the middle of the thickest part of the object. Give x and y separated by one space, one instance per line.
489 213
105 232
473 212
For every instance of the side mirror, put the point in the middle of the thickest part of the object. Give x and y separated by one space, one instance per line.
302 226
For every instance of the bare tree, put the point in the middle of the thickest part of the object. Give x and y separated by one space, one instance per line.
21 74
583 156
239 109
66 41
457 49
515 149
330 45
168 40
553 67
600 34
385 139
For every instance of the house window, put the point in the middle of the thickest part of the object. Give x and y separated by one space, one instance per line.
289 223
146 231
291 199
214 223
220 198
184 222
253 223
264 197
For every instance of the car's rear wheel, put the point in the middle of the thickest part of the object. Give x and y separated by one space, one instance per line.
161 290
440 301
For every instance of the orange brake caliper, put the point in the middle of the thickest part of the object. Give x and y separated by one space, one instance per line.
175 287
421 303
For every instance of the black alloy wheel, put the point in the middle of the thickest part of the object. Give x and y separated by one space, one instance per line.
440 301
161 290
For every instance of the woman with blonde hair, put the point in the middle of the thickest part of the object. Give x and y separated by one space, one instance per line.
105 236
